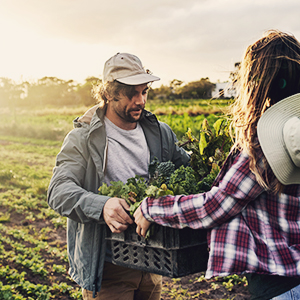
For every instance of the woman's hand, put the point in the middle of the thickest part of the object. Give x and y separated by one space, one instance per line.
141 222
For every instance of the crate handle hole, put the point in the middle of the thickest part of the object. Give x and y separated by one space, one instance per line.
156 257
167 261
157 265
167 253
167 267
156 251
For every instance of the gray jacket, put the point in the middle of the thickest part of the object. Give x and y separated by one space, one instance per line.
73 190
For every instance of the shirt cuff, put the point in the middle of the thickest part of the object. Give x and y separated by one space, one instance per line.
144 209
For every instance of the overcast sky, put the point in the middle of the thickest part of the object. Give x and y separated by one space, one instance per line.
175 39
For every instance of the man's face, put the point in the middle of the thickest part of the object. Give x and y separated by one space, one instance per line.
125 110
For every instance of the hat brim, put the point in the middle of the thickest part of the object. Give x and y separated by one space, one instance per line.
270 136
138 79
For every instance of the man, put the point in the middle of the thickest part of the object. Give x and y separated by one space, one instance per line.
115 140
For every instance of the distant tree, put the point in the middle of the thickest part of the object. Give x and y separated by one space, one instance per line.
175 85
197 89
166 92
163 92
151 93
84 91
10 92
234 74
53 91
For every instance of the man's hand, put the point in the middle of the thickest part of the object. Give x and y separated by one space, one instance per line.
115 216
142 223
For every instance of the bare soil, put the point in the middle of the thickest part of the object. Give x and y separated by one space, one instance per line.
188 287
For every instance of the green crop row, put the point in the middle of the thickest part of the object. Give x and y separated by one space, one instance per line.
28 253
33 256
53 124
33 251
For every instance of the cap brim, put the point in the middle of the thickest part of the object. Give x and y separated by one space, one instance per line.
270 135
138 79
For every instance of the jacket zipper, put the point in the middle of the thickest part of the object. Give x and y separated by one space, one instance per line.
94 290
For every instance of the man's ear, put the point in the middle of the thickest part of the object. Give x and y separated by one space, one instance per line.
108 97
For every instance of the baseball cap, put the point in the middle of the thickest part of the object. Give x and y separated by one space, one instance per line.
126 68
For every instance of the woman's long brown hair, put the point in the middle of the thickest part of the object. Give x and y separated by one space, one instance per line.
269 72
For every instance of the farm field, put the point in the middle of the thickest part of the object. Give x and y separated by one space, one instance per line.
33 254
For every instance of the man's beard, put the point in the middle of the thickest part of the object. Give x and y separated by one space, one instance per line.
127 116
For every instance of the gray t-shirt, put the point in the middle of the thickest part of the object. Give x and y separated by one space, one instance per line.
127 153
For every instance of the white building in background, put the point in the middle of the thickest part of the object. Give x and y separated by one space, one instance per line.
224 90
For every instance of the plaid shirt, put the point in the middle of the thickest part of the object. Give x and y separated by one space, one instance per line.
251 230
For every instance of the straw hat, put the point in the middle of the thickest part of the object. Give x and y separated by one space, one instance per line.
278 132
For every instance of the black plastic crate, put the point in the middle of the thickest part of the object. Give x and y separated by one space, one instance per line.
171 263
169 252
162 237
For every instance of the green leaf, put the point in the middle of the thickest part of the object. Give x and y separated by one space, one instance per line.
217 126
104 189
202 143
151 191
161 192
133 207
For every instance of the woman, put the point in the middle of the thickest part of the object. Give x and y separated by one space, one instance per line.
253 210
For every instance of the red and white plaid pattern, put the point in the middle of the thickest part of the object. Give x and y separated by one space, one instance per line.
251 230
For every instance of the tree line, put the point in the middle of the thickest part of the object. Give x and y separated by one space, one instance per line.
55 91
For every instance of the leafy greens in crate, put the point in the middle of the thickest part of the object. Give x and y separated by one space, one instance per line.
207 156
